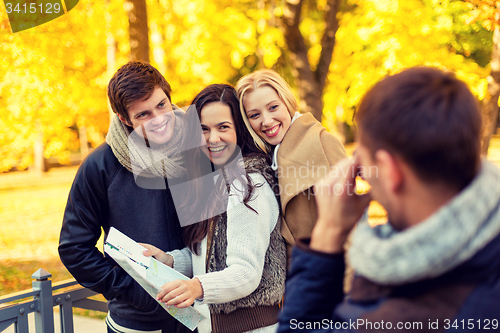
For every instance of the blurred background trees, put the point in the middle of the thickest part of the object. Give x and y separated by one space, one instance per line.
487 13
54 77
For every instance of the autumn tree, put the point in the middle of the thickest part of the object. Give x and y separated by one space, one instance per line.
53 82
138 29
311 83
286 39
54 76
195 44
488 13
382 37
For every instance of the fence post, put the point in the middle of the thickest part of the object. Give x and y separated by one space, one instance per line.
66 314
44 316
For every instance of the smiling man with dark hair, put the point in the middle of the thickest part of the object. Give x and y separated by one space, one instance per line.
108 191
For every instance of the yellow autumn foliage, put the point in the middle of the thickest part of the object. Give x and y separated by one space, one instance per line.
382 38
54 76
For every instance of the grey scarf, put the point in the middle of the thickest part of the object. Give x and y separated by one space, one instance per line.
133 153
442 242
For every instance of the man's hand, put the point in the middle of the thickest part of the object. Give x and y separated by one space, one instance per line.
180 293
339 207
158 254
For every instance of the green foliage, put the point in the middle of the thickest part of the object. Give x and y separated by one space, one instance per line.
382 37
471 39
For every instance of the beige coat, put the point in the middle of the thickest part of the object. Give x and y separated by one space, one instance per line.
306 155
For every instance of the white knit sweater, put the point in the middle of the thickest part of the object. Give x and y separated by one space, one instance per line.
248 237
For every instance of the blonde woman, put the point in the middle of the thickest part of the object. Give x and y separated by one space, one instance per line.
302 150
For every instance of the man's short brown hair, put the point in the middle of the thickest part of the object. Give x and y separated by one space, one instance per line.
134 81
430 119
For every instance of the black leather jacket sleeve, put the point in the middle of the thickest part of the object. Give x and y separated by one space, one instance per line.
85 215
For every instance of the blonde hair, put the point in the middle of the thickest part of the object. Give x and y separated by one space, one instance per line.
265 78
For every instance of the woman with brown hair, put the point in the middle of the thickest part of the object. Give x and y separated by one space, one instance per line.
237 258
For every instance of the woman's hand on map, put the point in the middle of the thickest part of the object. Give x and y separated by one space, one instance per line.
158 254
181 293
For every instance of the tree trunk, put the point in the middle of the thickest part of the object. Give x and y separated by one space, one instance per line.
138 30
40 164
110 53
310 83
84 146
490 104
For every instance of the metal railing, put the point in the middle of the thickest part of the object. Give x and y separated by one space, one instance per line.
43 302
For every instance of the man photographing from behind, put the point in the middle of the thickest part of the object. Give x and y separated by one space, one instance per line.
435 265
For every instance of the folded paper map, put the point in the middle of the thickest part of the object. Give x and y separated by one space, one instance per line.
148 272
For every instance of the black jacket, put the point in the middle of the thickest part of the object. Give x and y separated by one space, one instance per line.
105 194
465 299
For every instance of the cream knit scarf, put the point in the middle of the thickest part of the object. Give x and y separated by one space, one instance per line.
448 238
134 154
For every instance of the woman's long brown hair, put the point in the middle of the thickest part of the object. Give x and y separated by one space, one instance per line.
196 231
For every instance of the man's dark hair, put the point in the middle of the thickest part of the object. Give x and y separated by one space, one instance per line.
430 119
134 81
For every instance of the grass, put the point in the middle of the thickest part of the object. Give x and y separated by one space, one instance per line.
31 213
15 275
31 210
